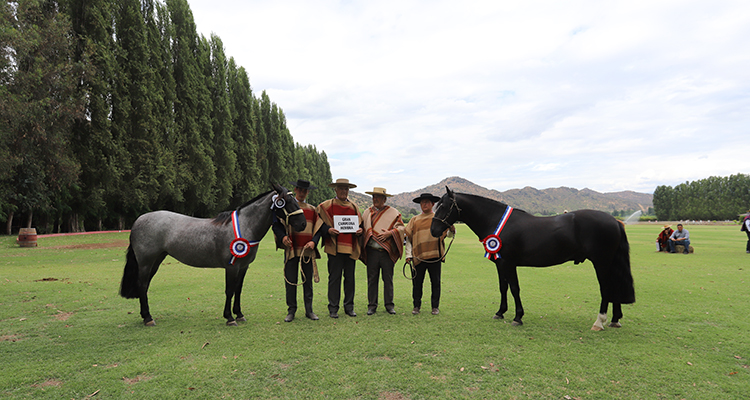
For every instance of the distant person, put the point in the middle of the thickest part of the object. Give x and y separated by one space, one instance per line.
663 239
426 251
383 246
299 247
679 237
746 228
342 248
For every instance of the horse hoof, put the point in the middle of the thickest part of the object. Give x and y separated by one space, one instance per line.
232 323
241 319
516 323
597 328
497 316
615 325
150 323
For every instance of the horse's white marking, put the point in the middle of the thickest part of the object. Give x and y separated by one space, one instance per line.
601 319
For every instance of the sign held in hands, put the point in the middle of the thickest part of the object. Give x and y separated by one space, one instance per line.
346 223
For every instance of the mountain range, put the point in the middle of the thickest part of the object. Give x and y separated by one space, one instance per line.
540 202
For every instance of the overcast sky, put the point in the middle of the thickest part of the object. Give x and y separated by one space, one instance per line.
603 95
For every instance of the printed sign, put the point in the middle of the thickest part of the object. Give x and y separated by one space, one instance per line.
346 223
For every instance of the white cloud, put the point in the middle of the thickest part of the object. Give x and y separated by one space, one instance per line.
623 96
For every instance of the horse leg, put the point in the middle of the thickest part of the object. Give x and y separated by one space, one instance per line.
616 315
145 275
511 276
503 292
231 285
237 294
601 319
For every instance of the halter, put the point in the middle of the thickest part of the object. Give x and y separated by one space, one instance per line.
280 203
450 210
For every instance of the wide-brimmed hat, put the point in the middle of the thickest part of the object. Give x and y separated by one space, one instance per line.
380 191
666 227
342 182
426 196
303 184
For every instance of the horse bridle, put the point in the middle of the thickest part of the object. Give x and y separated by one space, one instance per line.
287 214
447 249
450 211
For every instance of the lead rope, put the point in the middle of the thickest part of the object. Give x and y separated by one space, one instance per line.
414 269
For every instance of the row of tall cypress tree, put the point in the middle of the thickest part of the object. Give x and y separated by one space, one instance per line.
712 199
112 108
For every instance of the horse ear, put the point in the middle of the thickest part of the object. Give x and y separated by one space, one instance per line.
276 187
449 191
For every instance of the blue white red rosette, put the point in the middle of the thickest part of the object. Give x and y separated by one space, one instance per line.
492 244
240 247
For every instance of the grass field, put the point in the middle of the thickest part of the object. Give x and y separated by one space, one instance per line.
66 333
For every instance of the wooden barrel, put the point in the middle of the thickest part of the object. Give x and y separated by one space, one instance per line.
27 237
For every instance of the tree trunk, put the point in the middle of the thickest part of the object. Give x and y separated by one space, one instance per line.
10 223
31 216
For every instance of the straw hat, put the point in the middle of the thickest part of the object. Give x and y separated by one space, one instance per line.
380 191
666 227
342 182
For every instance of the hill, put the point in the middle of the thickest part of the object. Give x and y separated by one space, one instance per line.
546 202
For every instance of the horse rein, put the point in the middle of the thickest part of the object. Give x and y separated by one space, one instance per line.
286 213
441 259
414 269
304 260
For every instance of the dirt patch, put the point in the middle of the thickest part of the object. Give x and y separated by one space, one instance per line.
93 246
10 338
47 383
139 378
62 316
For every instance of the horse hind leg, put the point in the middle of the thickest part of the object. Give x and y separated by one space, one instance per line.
146 273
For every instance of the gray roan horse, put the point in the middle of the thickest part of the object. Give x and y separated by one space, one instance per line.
514 238
205 243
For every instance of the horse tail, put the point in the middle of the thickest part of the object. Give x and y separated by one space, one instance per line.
623 290
129 284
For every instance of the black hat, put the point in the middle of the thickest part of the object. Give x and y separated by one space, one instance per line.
303 184
426 196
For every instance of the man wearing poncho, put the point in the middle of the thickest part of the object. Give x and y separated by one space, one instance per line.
383 246
299 247
426 251
343 249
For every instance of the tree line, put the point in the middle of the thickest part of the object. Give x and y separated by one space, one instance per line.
112 108
713 198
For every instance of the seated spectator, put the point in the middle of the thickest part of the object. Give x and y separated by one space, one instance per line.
679 237
663 239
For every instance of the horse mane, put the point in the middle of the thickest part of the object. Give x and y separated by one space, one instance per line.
225 217
490 200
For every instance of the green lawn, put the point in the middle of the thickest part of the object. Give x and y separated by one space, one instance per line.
66 333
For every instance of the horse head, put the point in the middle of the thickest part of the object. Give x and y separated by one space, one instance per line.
446 213
287 209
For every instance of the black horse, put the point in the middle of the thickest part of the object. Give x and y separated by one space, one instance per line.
228 241
514 238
